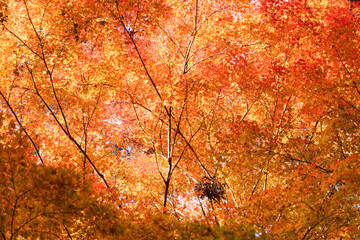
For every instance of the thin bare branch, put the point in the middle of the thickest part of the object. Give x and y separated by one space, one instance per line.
23 128
172 40
246 113
217 54
282 117
312 134
121 21
65 131
257 182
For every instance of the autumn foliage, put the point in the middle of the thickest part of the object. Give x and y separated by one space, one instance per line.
179 119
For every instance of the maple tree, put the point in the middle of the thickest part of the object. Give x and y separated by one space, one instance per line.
186 119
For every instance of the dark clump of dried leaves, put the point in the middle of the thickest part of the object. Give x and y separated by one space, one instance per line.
2 18
3 10
210 188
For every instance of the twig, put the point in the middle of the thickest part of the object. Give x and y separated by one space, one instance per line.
22 127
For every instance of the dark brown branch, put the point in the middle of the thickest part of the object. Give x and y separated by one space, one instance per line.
64 130
246 113
22 127
130 35
312 134
187 54
216 54
182 135
313 226
173 41
349 103
50 73
257 182
67 231
289 157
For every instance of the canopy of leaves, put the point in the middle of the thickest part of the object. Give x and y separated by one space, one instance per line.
179 119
